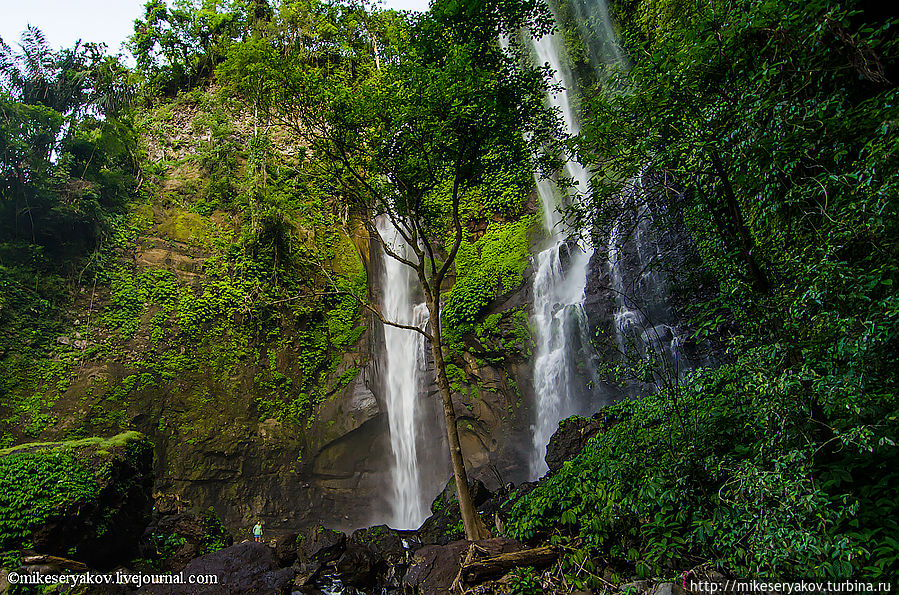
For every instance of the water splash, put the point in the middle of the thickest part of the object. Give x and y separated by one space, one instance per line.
405 362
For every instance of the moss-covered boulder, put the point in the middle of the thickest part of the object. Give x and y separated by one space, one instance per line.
86 499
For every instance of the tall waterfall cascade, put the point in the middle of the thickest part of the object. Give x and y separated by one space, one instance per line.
405 362
566 380
561 274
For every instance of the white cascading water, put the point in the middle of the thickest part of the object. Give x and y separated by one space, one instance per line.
643 329
405 362
564 349
561 276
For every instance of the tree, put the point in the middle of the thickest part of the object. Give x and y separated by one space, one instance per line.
407 132
177 46
59 121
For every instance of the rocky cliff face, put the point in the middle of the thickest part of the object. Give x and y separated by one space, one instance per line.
642 278
258 404
271 407
213 445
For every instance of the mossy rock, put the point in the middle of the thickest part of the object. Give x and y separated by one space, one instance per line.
186 227
85 499
347 260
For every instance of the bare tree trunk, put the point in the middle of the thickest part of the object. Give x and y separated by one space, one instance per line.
471 520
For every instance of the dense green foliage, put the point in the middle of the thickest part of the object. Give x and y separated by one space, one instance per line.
67 167
217 231
41 481
735 481
777 121
486 269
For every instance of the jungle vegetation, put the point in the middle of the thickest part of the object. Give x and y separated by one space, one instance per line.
775 124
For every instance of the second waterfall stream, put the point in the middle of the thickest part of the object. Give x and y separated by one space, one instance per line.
561 275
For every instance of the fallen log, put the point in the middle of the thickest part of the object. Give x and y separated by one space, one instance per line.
62 563
479 570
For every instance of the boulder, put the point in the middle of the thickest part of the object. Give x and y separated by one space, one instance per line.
247 567
435 567
358 566
286 549
174 538
320 544
573 434
569 440
88 500
306 573
384 542
445 524
373 556
479 494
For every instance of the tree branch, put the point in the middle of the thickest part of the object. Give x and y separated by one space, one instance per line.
438 279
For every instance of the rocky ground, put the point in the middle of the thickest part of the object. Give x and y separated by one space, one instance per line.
182 541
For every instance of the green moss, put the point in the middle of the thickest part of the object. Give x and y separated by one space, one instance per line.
104 444
141 217
32 388
493 264
39 480
186 227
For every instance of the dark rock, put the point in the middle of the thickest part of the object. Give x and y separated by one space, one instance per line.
479 494
444 525
357 566
383 541
306 573
574 433
174 538
320 544
435 567
286 549
569 440
373 556
247 567
98 524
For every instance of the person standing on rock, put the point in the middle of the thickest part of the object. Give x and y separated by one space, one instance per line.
257 532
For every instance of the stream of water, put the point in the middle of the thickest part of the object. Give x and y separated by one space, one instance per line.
405 362
561 274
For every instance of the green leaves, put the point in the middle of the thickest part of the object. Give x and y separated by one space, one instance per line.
496 261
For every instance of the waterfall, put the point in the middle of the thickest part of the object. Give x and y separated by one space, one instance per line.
596 32
647 331
561 277
405 361
566 381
